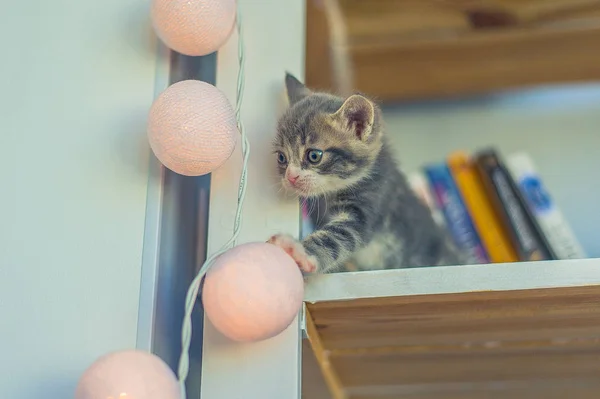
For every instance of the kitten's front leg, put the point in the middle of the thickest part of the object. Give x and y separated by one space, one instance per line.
330 246
295 249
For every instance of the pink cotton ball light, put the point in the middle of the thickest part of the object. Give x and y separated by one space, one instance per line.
192 128
253 292
193 27
128 375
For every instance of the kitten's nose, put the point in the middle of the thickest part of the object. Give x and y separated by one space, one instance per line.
292 179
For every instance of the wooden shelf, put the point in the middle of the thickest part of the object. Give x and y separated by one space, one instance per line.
521 330
407 50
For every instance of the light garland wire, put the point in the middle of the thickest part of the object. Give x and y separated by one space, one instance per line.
192 293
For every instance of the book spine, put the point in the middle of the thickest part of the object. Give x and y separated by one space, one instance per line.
459 222
501 189
420 185
548 215
494 237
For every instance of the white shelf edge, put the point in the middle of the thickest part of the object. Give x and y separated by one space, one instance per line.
154 202
452 280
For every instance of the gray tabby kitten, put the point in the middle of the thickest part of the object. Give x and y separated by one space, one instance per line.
334 151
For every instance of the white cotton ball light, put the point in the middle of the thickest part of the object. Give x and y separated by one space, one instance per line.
193 27
192 128
253 292
128 374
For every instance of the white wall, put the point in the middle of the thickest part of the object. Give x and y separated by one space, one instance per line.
76 81
559 127
273 40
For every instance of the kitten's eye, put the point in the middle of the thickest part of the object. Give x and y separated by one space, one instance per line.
314 156
281 158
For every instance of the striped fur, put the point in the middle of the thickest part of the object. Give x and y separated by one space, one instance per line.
366 215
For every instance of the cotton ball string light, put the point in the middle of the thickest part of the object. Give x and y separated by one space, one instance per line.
253 292
193 27
192 128
128 375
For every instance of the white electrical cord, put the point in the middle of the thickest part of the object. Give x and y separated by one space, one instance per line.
192 293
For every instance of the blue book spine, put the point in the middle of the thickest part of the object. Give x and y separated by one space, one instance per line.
455 212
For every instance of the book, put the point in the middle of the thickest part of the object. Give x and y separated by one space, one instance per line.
492 232
457 218
548 215
420 185
525 236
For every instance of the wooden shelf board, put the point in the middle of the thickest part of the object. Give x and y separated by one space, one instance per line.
576 389
400 51
511 329
475 63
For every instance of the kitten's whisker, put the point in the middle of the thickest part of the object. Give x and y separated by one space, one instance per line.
312 207
318 209
302 202
277 184
325 200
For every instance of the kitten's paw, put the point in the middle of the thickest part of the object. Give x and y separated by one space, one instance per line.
294 248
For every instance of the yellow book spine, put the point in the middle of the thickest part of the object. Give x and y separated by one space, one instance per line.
487 223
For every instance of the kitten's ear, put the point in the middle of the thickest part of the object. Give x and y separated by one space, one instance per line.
296 91
356 116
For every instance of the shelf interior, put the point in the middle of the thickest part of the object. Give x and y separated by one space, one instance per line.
526 343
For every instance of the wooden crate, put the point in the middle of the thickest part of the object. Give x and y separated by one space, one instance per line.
523 330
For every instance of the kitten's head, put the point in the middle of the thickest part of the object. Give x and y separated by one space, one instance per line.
325 143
